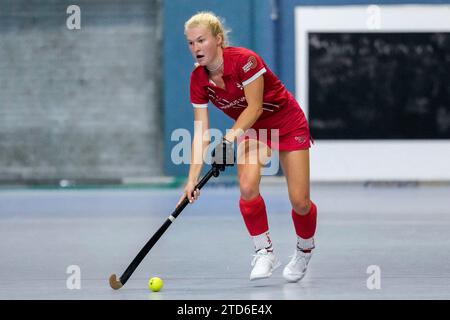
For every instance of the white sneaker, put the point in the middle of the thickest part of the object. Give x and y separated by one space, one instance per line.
295 270
264 263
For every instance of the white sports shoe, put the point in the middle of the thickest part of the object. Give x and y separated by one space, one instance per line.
264 263
295 270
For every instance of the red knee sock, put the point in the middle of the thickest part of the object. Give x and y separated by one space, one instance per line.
305 226
254 214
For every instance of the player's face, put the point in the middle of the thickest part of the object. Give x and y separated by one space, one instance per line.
203 45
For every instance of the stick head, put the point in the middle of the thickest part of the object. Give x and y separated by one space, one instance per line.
114 283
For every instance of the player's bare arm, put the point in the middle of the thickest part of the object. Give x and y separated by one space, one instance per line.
200 144
254 96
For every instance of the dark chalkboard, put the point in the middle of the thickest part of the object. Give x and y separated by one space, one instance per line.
379 85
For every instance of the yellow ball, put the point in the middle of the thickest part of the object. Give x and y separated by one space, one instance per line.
155 284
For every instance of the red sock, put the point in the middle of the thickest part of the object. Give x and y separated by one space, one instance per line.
254 214
305 226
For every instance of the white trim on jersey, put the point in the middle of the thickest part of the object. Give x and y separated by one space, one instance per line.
256 75
201 106
271 104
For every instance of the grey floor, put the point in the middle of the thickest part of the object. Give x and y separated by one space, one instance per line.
206 253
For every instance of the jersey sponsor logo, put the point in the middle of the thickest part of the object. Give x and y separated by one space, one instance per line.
251 64
225 104
236 104
240 86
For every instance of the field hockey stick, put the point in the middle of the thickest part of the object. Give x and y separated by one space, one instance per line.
119 283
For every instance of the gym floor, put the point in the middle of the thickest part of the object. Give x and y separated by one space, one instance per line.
401 231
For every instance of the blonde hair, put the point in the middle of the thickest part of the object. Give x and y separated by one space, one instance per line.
212 22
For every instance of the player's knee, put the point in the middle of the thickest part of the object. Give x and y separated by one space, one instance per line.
301 205
248 190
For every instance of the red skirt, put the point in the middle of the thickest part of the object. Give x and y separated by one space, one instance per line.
285 130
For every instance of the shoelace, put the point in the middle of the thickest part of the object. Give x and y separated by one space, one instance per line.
296 257
258 255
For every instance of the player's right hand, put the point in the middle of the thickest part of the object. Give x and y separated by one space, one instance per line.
190 192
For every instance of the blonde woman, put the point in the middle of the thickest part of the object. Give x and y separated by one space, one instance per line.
238 82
